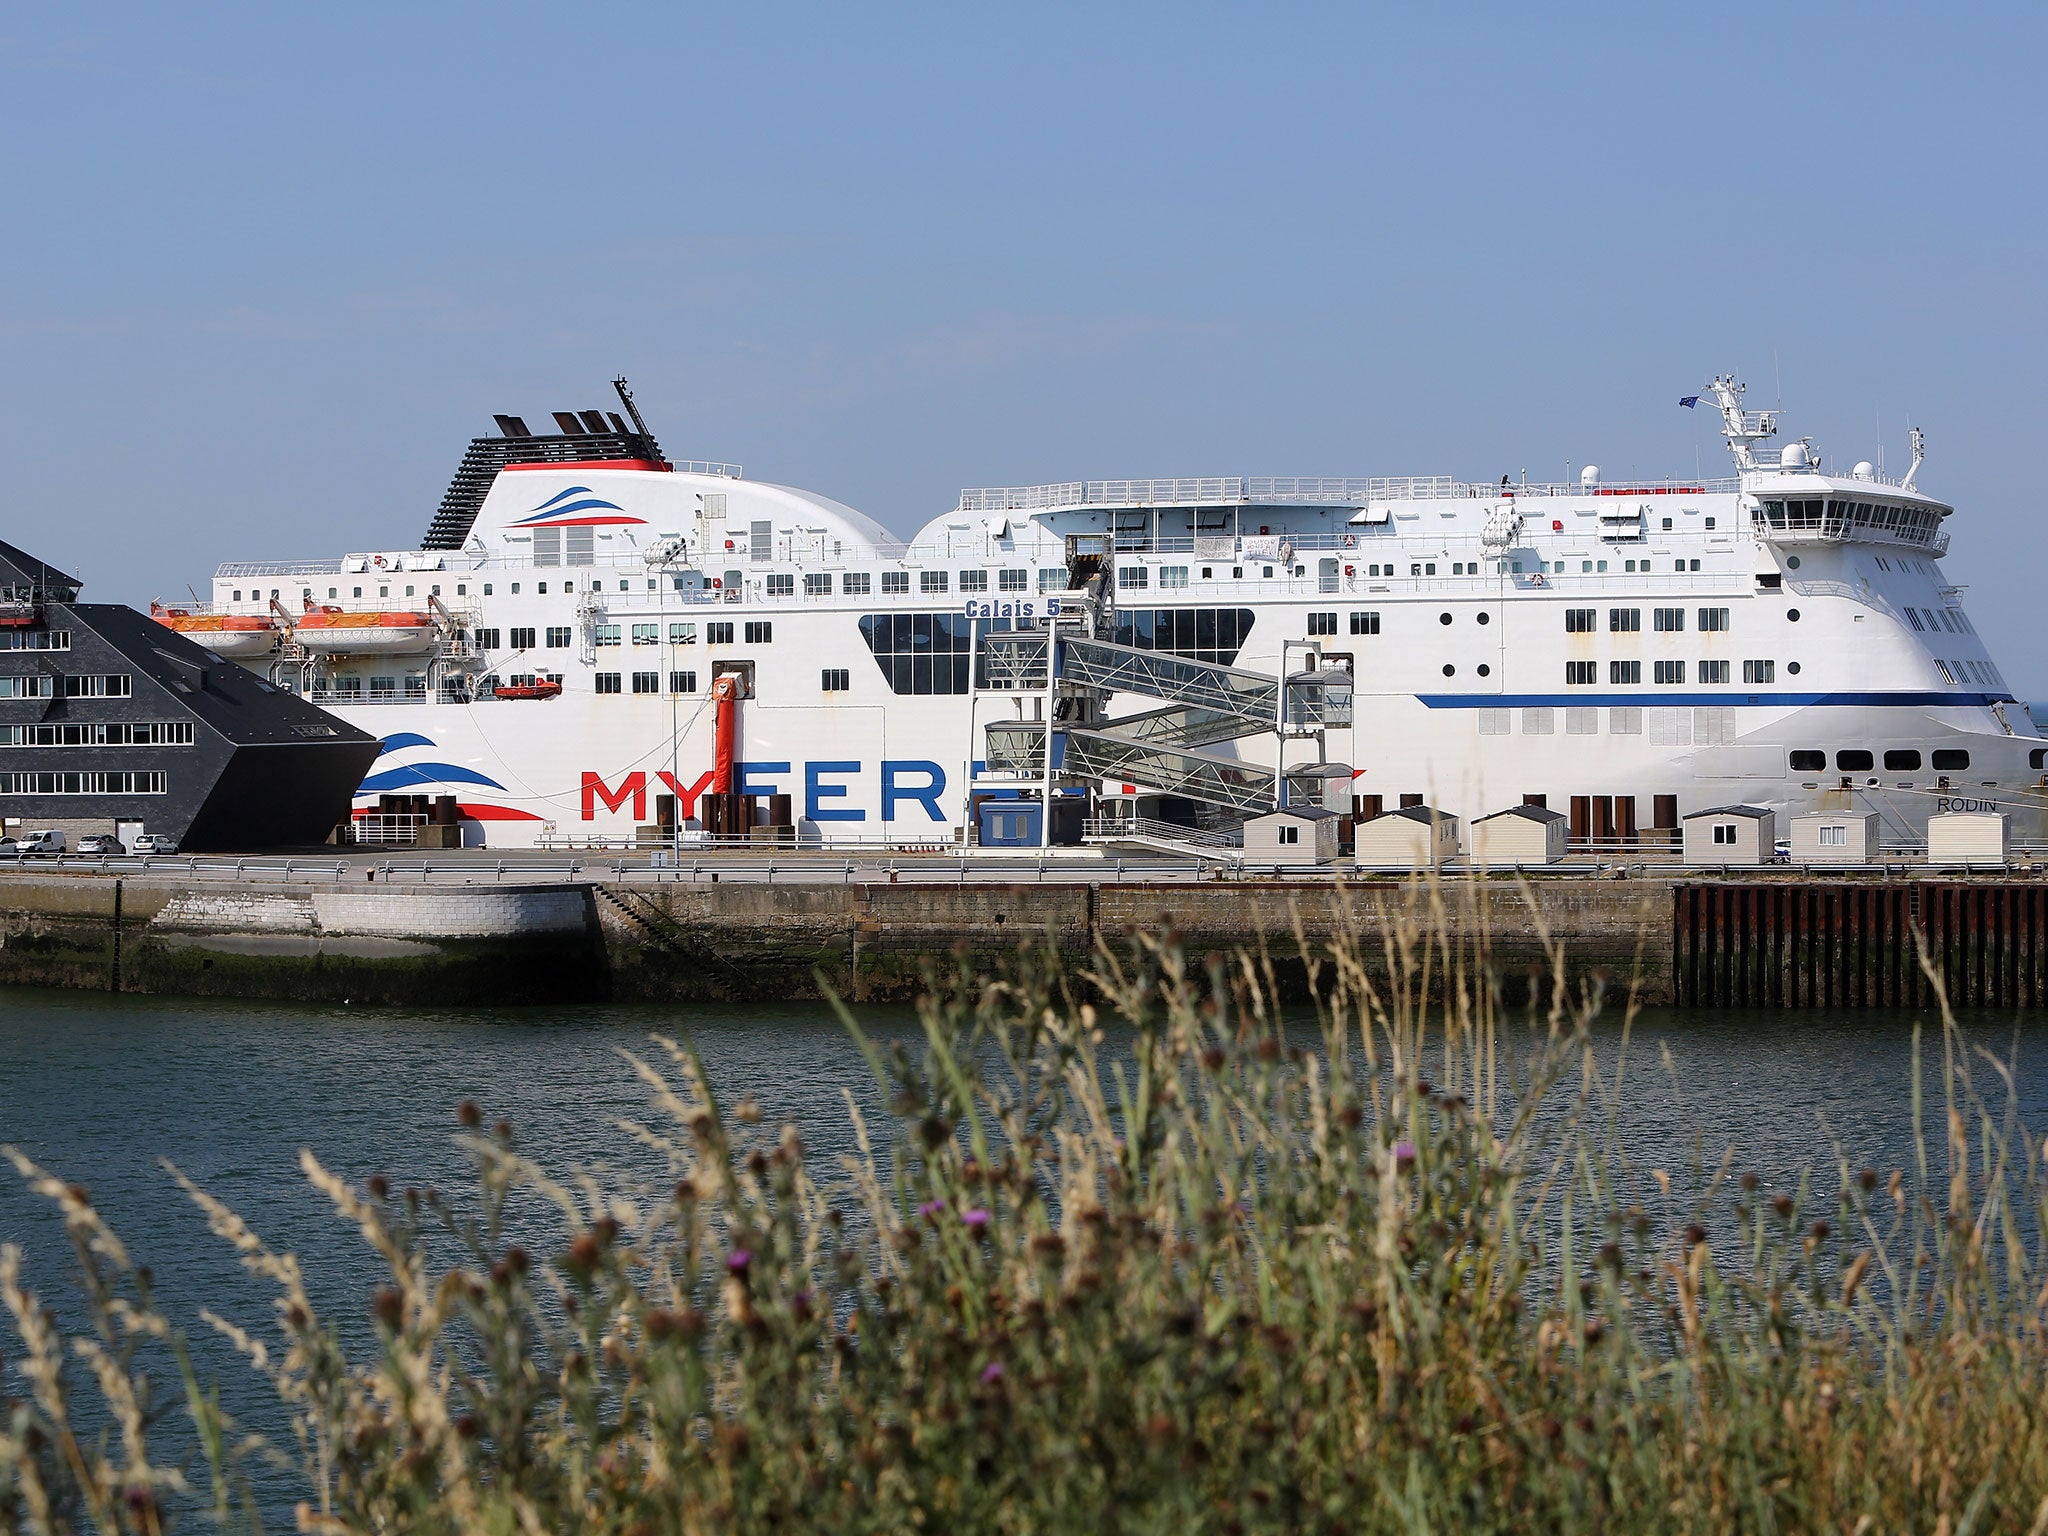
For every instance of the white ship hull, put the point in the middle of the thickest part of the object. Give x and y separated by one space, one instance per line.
1633 654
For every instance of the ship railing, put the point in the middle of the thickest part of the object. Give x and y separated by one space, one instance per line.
1112 827
387 828
706 467
1302 490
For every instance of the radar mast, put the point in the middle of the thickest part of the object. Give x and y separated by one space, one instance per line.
1743 429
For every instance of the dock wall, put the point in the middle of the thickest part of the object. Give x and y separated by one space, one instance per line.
1770 942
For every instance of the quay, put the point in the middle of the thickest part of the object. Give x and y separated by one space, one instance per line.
734 928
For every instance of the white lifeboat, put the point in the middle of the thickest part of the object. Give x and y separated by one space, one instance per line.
377 632
240 635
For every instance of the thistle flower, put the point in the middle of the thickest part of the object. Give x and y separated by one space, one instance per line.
992 1373
976 1218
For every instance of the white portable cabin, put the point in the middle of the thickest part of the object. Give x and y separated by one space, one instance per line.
1522 834
1968 837
1413 837
1827 837
1731 835
1293 834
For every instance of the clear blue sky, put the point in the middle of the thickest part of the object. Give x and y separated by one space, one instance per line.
266 269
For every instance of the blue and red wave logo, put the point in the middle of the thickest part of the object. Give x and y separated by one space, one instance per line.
430 778
577 507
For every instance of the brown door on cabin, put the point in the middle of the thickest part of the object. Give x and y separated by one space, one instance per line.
1603 818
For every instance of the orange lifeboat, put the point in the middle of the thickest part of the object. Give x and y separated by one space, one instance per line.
386 632
527 690
224 634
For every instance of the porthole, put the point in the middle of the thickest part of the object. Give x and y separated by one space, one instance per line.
1485 670
1449 670
1443 618
1485 618
1792 667
1792 614
1792 563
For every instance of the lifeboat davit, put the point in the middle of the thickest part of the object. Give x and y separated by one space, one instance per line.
224 634
386 633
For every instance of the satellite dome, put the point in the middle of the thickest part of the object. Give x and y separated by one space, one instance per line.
1590 476
1864 470
1794 456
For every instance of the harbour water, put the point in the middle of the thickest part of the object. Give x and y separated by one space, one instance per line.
100 1088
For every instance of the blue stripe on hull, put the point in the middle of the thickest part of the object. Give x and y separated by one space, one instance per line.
1930 698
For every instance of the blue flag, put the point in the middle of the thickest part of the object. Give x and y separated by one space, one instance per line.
1688 401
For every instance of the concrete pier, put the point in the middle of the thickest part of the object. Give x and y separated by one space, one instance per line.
477 935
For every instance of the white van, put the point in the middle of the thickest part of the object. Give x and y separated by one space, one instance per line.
42 842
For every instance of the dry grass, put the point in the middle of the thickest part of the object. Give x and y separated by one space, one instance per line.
1142 1263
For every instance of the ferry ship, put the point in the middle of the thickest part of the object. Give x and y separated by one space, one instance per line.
591 640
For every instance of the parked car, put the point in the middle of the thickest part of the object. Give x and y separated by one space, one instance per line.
46 842
9 848
153 842
100 842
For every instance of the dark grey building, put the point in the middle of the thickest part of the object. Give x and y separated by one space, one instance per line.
111 721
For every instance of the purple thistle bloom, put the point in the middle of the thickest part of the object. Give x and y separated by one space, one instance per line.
992 1373
1404 1152
932 1207
975 1218
740 1259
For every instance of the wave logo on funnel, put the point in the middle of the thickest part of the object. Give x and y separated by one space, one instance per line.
426 777
577 507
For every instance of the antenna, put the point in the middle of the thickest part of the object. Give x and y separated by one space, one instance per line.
1919 453
632 410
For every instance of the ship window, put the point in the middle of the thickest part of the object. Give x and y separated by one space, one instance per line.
1050 579
1668 620
854 583
1582 720
895 581
238 597
1485 617
1202 634
1443 618
1624 620
570 586
1579 673
522 638
817 584
1449 670
1586 567
1669 672
781 584
1625 722
760 632
1667 525
647 682
408 589
2037 757
1759 671
1792 615
1538 722
461 589
1128 576
835 680
415 685
682 682
1169 576
1713 671
1579 621
541 587
682 634
383 687
931 581
974 581
647 634
1792 668
718 634
357 591
608 682
604 634
1365 623
1950 759
487 639
1901 760
922 653
1012 581
1809 762
1322 624
487 589
1713 618
1854 760
559 637
1625 672
383 591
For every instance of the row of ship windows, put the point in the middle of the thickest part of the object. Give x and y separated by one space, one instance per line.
117 782
1959 672
1951 619
1896 760
1576 620
90 685
114 733
562 636
1705 726
1581 673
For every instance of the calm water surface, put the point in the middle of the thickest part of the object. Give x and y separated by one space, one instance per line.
100 1089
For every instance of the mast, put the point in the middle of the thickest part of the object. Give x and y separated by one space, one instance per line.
1743 429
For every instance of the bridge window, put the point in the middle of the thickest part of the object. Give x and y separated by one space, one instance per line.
1202 634
922 653
1169 576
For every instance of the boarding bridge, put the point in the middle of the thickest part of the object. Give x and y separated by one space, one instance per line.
1203 704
